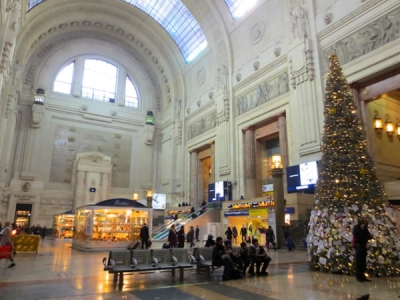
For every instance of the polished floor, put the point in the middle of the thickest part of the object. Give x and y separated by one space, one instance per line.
59 272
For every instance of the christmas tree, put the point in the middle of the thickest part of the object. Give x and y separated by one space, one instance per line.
348 189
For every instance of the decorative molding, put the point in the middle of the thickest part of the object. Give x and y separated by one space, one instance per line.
256 33
370 37
261 72
349 18
201 109
263 93
328 18
97 118
201 76
203 125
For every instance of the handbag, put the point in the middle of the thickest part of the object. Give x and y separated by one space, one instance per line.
353 242
5 251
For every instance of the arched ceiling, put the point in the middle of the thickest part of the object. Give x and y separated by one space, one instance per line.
55 21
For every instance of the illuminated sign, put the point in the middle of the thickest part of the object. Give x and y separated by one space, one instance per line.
266 203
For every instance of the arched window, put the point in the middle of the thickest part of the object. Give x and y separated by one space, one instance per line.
239 7
99 80
131 96
63 82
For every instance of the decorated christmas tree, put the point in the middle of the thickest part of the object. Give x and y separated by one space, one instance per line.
348 189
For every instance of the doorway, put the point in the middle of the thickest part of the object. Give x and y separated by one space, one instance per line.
22 216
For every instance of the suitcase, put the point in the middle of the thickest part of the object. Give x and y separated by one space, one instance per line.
5 251
133 245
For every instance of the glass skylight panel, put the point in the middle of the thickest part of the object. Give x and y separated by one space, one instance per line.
32 3
177 20
99 80
63 82
239 7
131 96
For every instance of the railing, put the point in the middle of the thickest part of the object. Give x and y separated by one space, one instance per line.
162 232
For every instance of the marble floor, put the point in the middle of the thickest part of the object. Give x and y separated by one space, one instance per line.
59 272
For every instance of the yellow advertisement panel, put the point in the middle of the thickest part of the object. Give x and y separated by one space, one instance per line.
258 212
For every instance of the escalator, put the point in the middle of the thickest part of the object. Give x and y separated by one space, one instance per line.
161 233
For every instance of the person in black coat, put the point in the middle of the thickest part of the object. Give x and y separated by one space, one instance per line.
210 242
144 235
181 237
243 233
221 257
361 236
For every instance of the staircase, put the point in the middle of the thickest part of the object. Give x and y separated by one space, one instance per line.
297 233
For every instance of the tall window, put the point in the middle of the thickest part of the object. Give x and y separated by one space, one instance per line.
99 80
131 96
63 82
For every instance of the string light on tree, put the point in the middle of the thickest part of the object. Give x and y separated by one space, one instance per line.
347 189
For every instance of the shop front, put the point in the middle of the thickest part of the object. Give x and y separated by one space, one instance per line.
255 216
63 225
113 223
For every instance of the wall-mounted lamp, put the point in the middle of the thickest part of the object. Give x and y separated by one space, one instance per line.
276 162
398 128
389 127
149 194
378 125
149 198
135 196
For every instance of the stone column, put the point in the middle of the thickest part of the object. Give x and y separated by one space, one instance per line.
212 177
249 163
194 174
277 176
283 143
200 180
79 191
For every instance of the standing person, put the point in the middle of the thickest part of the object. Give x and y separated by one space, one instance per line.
190 237
234 234
43 233
144 235
243 233
361 236
270 237
7 241
181 237
229 233
197 233
172 236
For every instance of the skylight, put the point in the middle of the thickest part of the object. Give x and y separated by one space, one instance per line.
177 20
32 3
239 7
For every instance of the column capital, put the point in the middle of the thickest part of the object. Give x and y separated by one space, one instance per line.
248 128
281 114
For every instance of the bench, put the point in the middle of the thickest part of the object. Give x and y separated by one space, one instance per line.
125 261
206 253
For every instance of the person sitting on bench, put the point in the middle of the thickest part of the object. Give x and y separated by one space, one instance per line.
220 257
258 256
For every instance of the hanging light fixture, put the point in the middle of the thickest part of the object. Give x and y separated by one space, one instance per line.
378 125
389 127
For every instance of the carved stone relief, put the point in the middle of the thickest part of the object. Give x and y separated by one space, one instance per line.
299 19
201 77
67 143
328 18
256 33
369 38
277 51
178 106
263 93
201 126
